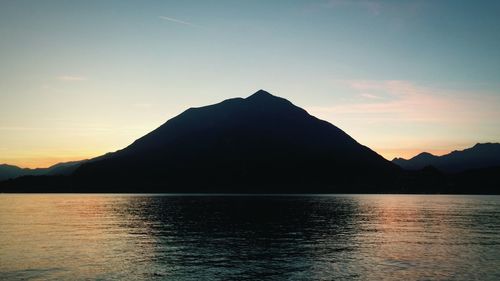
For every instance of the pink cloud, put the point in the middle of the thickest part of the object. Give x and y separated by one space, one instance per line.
369 96
404 101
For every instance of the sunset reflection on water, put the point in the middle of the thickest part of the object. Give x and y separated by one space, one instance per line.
367 237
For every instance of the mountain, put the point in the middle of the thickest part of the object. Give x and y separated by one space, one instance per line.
261 143
11 171
481 155
64 168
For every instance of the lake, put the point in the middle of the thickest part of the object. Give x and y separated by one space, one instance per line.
177 237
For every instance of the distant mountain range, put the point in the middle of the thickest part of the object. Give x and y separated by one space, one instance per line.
258 144
481 155
65 168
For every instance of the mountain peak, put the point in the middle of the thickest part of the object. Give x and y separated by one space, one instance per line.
261 94
265 101
262 99
425 154
480 156
484 144
248 145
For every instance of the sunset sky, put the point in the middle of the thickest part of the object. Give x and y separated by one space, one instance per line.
82 78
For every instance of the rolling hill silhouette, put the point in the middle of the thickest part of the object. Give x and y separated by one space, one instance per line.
481 155
262 143
64 168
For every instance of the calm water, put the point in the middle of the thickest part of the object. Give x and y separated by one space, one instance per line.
361 237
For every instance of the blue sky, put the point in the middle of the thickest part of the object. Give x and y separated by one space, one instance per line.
81 78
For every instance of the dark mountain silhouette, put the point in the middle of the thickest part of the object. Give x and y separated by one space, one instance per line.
263 144
259 144
11 171
479 156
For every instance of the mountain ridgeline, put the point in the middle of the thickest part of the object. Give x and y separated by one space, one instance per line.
65 168
482 155
262 143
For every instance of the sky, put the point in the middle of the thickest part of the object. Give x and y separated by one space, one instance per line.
82 78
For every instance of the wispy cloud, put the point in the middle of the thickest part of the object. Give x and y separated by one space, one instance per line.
404 101
369 96
179 21
403 118
71 78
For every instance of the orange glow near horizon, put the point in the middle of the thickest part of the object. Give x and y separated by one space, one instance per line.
390 154
44 162
33 163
